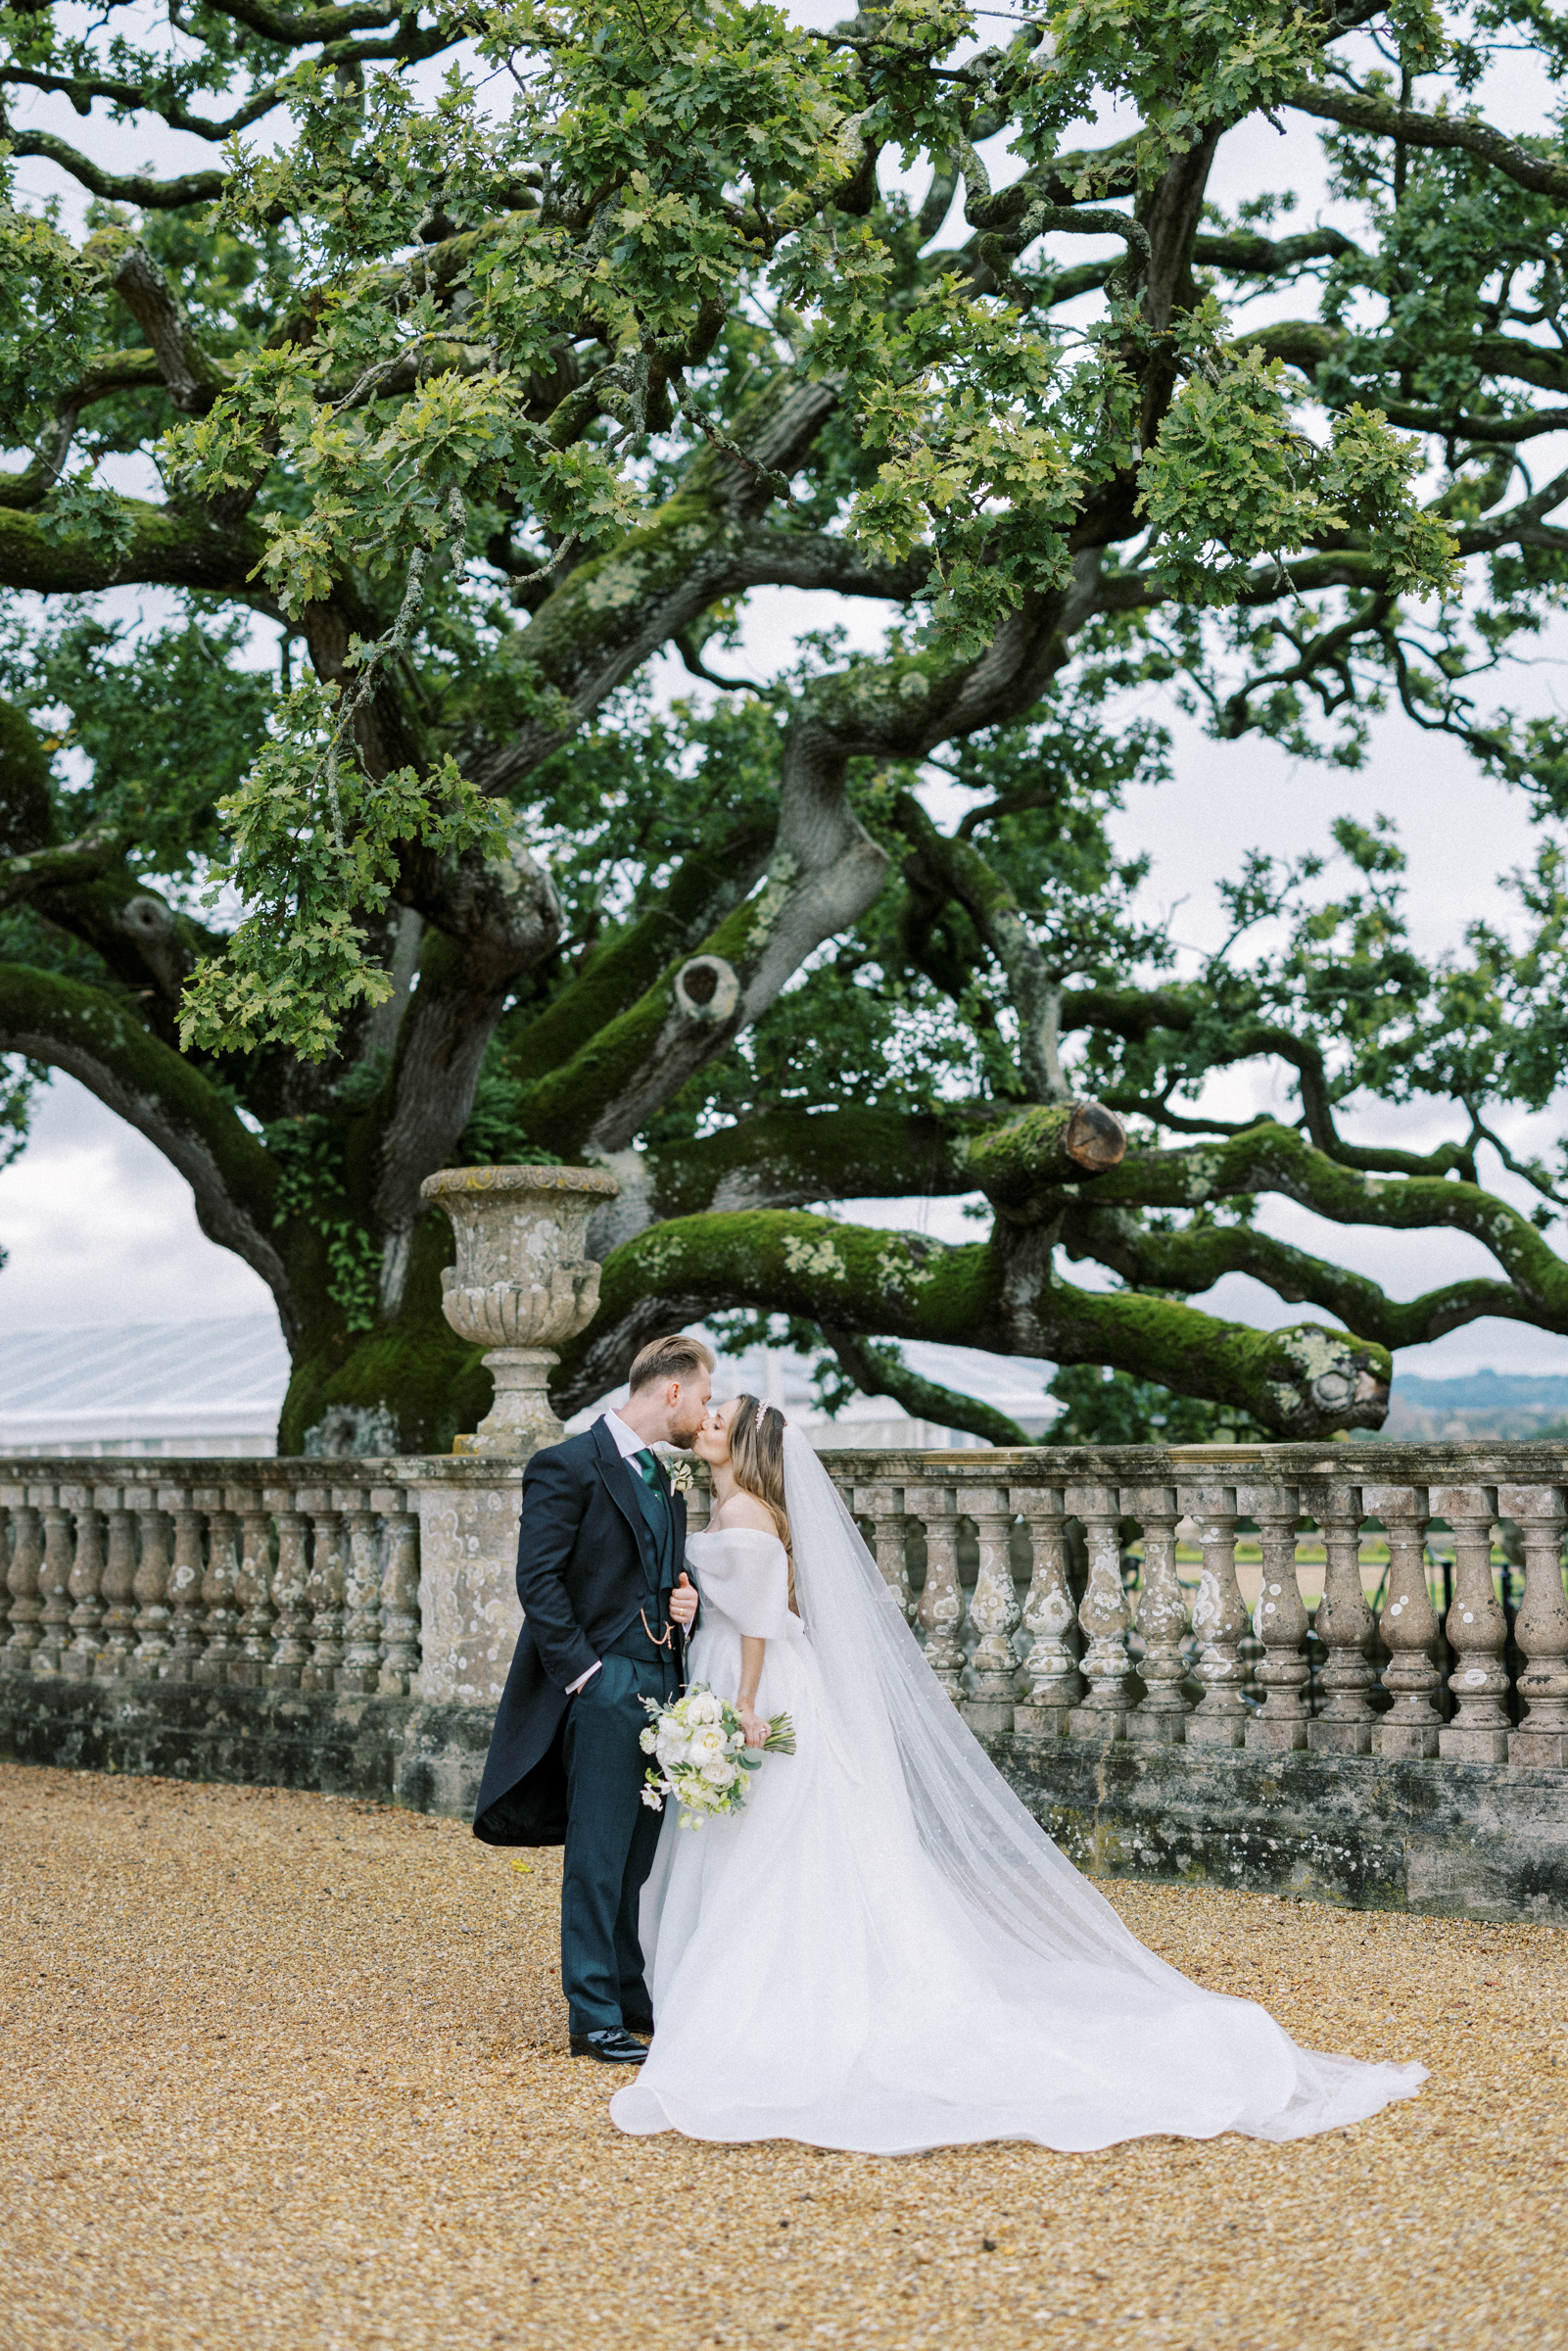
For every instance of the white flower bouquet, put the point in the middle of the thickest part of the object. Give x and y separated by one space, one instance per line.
700 1755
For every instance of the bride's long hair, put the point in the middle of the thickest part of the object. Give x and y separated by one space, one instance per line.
756 1456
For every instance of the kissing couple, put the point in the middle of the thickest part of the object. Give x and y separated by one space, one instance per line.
881 1950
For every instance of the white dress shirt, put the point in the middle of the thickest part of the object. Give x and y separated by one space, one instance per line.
627 1442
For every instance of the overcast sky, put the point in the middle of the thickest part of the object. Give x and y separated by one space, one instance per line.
100 1230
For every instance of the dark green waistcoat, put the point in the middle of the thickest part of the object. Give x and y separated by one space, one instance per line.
660 1575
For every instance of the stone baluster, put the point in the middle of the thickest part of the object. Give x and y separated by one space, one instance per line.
994 1614
1280 1621
1105 1617
325 1590
1477 1631
1250 1652
1344 1726
1315 1652
21 1580
253 1587
291 1645
400 1608
186 1571
884 1506
151 1652
119 1628
54 1581
1218 1619
1160 1717
77 1661
220 1601
1542 1629
1048 1681
941 1603
1409 1625
361 1594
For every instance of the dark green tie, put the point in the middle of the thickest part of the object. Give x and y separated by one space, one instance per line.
643 1463
659 1525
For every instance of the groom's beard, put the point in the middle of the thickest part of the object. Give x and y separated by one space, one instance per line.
686 1427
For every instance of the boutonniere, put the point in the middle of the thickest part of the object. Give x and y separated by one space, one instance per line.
680 1477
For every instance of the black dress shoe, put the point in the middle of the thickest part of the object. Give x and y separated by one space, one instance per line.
640 2023
614 2047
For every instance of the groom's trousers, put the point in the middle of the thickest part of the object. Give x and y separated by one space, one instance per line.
610 1834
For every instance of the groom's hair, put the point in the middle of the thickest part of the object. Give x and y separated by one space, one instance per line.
664 1359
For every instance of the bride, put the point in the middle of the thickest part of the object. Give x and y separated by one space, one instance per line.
884 1950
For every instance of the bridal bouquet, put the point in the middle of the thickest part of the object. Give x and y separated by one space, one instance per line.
700 1755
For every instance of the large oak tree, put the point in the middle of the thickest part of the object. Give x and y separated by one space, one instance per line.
488 386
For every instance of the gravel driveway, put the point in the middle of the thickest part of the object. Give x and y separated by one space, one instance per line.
285 2072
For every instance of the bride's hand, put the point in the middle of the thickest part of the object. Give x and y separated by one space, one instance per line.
752 1723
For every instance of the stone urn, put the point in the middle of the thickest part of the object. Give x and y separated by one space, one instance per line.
521 1285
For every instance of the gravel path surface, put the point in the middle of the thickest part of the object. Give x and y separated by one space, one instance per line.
283 2072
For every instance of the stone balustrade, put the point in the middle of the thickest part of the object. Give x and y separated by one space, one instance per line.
1340 1669
1073 1621
1045 1586
250 1575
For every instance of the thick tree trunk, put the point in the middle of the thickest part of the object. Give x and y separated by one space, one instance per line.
405 1384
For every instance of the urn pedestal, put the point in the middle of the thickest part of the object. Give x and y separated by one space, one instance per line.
521 1285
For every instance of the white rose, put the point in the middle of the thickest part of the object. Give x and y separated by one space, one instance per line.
708 1745
718 1774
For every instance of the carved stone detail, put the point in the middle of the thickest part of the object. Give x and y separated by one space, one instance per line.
1218 1620
1160 1716
1105 1617
521 1285
1344 1625
994 1615
941 1601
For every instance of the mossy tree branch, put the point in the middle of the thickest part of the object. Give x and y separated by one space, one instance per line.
1195 1259
99 1040
999 1294
1359 110
153 547
1273 1159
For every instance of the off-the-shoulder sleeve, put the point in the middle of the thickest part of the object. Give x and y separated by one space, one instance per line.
746 1573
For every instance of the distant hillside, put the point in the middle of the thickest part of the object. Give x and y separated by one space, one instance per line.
1485 1404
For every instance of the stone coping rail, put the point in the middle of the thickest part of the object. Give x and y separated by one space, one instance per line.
1044 1584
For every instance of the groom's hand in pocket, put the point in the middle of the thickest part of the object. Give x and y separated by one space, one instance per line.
683 1601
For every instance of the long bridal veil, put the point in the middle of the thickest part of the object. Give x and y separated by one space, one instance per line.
1038 1923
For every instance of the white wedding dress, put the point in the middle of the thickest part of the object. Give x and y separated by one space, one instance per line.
884 1950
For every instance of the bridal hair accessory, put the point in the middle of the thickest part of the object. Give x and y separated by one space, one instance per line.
761 1409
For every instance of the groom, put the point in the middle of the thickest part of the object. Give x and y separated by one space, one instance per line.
606 1604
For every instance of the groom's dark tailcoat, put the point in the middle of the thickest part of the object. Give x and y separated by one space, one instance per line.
587 1563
